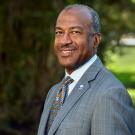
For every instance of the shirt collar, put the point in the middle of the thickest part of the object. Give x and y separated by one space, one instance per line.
77 74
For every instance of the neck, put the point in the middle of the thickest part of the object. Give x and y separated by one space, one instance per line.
72 69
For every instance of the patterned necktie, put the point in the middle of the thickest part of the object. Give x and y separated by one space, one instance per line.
60 98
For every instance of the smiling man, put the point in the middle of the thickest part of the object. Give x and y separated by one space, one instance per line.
76 40
89 100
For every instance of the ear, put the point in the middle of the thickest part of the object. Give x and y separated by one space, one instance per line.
97 40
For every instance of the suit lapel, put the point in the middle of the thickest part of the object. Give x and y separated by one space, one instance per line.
47 109
82 86
71 100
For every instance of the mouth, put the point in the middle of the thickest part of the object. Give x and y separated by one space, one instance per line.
66 53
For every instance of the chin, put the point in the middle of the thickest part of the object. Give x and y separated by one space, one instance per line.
66 65
70 67
66 62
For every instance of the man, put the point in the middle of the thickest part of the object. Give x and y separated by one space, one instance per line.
96 102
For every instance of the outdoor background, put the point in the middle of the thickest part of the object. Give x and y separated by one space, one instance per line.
28 66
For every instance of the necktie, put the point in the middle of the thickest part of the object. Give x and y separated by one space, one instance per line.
58 102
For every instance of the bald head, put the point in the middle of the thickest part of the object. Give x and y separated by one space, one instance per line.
91 14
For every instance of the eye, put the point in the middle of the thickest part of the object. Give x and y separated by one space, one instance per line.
76 32
59 33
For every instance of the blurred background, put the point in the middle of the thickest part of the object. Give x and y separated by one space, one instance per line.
28 66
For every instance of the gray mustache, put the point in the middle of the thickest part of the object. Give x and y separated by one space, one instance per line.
67 46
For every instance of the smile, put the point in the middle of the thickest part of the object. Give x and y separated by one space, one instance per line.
66 52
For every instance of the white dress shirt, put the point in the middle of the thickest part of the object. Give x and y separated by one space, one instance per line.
77 74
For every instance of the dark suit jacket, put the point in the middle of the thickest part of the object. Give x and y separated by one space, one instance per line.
101 106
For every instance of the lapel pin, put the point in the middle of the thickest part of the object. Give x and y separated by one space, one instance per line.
81 86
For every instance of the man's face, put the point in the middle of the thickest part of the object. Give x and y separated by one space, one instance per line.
74 44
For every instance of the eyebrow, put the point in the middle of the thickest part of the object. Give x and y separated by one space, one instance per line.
77 27
74 27
58 28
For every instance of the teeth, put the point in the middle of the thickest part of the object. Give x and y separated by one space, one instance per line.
66 51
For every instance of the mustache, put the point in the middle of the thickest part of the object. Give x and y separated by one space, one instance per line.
67 46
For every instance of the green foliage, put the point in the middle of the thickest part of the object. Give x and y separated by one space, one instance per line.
25 60
121 63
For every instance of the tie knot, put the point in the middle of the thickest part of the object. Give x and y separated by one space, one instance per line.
68 80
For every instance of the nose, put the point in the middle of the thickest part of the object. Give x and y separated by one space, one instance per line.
66 39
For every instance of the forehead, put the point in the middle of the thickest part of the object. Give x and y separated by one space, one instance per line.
74 17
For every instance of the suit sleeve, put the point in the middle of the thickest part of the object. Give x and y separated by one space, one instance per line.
48 95
113 114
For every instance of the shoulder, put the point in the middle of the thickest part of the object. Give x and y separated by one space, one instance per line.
110 92
52 90
115 94
115 102
114 112
109 80
112 87
104 77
